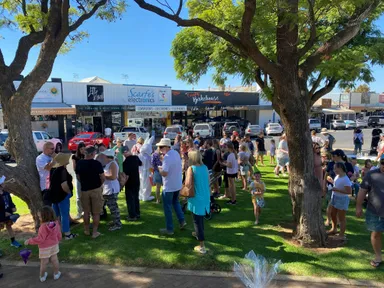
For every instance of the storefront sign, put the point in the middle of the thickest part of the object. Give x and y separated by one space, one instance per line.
146 115
149 96
49 92
53 111
326 103
95 93
213 98
365 98
109 108
161 108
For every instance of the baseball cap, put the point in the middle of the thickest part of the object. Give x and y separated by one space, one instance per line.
338 152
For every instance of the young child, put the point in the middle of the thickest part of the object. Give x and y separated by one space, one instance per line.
355 177
257 189
367 167
272 152
48 239
7 213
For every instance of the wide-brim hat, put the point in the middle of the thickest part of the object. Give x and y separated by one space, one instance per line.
62 159
109 153
164 142
324 131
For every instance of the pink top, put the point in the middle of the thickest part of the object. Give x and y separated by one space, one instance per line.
49 235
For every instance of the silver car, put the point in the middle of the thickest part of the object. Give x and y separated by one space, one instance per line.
338 125
253 130
361 123
350 124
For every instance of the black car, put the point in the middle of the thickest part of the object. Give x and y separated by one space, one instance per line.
376 121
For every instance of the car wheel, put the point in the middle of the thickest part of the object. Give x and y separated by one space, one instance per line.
6 158
59 148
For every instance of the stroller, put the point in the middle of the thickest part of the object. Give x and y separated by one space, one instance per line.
375 141
214 207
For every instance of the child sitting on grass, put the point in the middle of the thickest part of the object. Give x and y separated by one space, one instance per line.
7 213
48 239
257 189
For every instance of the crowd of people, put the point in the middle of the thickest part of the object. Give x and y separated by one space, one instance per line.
100 174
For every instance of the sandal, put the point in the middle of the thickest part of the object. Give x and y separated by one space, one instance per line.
94 236
376 264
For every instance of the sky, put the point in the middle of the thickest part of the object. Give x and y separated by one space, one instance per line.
137 46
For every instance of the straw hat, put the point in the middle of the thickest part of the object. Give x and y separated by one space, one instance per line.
62 159
324 131
164 142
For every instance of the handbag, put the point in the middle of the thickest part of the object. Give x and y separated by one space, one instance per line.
188 191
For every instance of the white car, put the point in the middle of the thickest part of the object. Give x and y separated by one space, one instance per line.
314 124
361 123
123 134
41 137
172 131
273 129
253 130
205 130
4 155
350 124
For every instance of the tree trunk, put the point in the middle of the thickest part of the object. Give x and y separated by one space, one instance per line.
22 180
304 188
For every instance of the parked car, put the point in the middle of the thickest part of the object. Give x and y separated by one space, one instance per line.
253 130
230 127
338 125
273 129
89 138
361 123
172 131
314 124
375 121
41 137
205 130
350 124
138 131
4 155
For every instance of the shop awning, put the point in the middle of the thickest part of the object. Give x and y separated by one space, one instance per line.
331 111
52 109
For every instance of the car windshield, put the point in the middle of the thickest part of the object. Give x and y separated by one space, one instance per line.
314 121
201 127
128 129
172 130
232 124
339 121
83 136
254 126
3 137
274 125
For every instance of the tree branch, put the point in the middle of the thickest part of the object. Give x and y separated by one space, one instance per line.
81 6
341 38
180 7
24 9
323 91
258 79
246 22
2 62
44 6
65 16
86 16
315 85
250 49
166 5
312 37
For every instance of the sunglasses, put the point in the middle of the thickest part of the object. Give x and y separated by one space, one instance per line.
161 147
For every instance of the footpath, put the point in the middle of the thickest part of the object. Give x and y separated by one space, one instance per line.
17 275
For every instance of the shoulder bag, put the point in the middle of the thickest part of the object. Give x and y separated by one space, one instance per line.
188 189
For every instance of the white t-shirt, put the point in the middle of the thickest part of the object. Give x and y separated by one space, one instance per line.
172 165
340 183
318 140
224 141
235 166
111 187
108 131
282 145
41 161
253 186
244 156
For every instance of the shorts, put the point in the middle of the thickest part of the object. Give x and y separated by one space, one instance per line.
340 202
328 197
92 200
48 252
259 201
260 153
244 170
282 162
374 222
232 175
272 153
157 179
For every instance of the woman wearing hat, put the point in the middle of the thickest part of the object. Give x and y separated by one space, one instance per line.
61 191
329 141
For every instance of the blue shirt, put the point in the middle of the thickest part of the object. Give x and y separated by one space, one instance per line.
199 204
172 165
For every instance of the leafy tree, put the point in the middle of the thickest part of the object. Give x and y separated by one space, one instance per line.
297 51
363 88
54 26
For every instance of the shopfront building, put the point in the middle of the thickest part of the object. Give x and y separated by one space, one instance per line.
108 105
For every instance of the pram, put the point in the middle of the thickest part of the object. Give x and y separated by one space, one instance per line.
214 207
375 141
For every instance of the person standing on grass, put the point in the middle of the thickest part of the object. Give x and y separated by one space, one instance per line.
243 161
199 205
90 173
373 185
208 154
272 152
257 189
172 184
225 139
131 167
340 200
47 239
217 169
119 153
282 156
79 155
248 141
232 168
44 164
111 187
157 179
260 149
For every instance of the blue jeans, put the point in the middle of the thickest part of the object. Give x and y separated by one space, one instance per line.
172 199
62 210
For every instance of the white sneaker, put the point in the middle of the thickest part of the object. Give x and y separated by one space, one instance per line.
56 276
42 279
200 249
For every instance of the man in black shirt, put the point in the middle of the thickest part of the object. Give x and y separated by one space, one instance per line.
90 173
208 154
260 149
132 187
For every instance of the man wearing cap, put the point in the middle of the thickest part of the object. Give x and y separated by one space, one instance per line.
329 140
373 185
44 164
172 183
90 173
131 141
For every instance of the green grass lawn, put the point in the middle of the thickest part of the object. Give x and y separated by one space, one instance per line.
229 236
